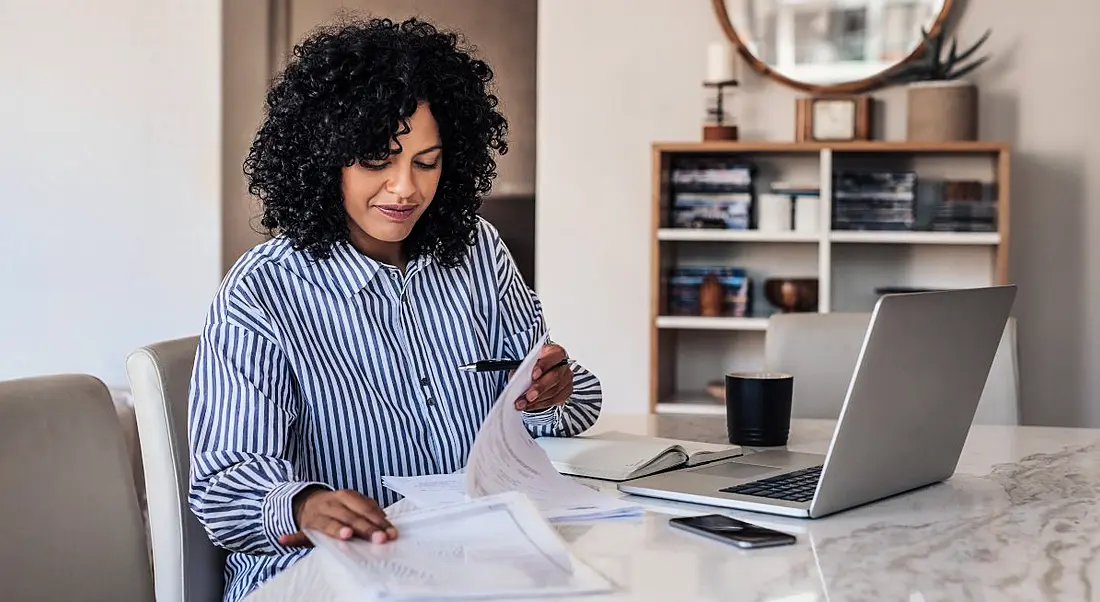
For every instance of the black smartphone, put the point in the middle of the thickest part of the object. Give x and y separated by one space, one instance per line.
732 531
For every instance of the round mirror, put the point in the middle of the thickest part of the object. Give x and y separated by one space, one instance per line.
825 46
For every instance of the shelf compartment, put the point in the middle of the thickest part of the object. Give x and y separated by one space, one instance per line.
915 238
715 235
707 323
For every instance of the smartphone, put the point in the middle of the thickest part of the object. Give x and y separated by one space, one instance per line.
732 531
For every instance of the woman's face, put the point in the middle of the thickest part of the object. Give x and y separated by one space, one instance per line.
385 198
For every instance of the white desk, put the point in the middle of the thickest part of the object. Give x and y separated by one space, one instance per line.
1020 520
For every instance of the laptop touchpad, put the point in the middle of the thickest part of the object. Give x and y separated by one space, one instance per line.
736 470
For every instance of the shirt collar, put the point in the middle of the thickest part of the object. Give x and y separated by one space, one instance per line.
346 271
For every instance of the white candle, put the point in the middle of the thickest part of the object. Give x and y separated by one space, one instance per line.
719 62
806 214
773 213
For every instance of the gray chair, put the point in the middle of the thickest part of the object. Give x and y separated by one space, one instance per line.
821 351
187 567
70 523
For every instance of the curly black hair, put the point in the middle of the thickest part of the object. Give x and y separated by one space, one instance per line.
345 96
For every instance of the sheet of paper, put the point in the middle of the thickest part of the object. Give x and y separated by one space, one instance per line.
430 490
492 547
505 457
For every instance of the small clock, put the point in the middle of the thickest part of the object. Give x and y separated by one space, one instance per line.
833 118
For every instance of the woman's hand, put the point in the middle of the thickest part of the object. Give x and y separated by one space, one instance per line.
340 514
552 381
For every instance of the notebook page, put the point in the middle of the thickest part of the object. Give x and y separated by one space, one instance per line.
604 458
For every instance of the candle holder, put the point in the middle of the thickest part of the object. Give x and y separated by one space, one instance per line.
716 127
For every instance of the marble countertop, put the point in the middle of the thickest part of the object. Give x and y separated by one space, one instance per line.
1020 520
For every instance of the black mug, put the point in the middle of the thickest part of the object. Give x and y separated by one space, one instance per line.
758 408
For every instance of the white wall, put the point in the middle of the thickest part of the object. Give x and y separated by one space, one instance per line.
613 77
109 179
616 75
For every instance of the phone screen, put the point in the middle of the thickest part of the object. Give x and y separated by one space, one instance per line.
733 531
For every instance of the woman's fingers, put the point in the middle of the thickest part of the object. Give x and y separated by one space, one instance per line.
556 395
549 358
332 527
369 510
295 540
360 525
341 514
552 389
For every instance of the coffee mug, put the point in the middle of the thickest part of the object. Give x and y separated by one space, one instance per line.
758 408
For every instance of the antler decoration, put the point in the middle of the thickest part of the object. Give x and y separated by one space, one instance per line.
931 66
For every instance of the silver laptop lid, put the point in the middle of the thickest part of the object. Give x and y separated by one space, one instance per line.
920 374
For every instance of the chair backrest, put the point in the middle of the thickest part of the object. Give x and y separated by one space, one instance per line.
70 523
187 567
821 351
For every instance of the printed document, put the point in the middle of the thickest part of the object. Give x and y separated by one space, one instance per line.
505 458
492 547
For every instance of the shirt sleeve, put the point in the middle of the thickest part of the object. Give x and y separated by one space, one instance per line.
241 419
524 324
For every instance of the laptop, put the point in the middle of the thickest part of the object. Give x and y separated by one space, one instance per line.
910 403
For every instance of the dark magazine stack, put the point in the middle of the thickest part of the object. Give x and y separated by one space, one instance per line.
874 200
712 193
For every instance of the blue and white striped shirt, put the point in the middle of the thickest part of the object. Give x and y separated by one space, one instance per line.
342 371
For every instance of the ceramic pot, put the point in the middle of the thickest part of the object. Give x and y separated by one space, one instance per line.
792 294
942 111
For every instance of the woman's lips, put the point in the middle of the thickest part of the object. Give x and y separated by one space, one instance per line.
397 213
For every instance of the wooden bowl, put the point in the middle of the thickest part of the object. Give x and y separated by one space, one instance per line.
792 294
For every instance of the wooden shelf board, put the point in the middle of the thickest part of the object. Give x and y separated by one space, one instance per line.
715 235
922 238
691 403
704 323
884 146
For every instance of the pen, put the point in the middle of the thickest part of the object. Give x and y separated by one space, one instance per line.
491 366
499 365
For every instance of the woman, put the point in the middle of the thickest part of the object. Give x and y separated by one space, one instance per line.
330 354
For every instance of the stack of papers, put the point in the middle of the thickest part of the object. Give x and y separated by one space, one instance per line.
492 547
505 458
556 504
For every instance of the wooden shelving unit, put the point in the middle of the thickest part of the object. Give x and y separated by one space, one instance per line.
688 351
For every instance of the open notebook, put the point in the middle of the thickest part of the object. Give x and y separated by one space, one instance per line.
615 456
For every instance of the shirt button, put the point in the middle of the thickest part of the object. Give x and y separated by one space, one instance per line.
431 402
424 381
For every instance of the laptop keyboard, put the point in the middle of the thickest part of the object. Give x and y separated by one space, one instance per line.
797 486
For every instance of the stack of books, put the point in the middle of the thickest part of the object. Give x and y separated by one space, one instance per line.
712 193
956 205
877 200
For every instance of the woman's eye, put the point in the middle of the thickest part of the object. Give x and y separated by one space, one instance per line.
374 166
423 165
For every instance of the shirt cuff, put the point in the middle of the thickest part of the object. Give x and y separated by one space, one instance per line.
543 418
278 510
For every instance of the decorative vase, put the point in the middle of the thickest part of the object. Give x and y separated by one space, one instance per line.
710 297
942 111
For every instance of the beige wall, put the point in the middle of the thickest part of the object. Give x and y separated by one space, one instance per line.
246 43
616 75
109 180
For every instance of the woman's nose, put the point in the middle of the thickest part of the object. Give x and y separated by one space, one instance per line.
401 184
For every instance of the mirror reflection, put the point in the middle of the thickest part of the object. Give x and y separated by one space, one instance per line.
824 42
